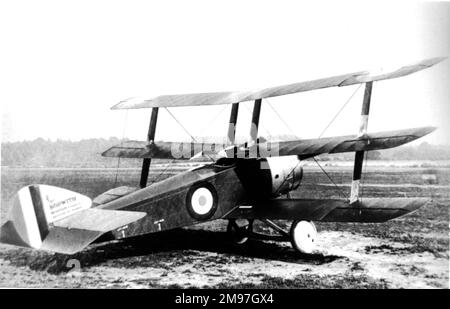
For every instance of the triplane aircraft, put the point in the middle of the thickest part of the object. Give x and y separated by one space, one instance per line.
246 182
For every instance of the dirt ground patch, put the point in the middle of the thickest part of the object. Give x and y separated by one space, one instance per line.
409 252
205 259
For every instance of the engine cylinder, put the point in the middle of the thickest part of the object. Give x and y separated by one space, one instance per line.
270 177
286 174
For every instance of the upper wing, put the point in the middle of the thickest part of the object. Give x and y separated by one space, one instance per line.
304 148
217 98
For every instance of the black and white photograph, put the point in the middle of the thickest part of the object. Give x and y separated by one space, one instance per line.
225 146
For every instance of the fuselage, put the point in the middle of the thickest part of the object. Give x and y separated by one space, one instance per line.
171 203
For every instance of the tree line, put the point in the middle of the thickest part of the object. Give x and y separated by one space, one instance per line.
87 153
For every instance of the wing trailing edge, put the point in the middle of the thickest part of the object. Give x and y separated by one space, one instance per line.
304 148
332 210
217 98
351 143
164 150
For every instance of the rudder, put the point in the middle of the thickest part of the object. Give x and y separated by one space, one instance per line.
34 210
49 218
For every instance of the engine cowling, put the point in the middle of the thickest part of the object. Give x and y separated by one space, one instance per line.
270 177
286 174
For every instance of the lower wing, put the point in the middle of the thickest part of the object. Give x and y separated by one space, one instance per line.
331 210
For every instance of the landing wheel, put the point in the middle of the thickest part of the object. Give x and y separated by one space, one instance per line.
238 230
303 236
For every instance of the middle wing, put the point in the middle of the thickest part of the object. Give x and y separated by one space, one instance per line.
304 148
351 143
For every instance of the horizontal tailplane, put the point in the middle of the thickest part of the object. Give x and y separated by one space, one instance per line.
54 219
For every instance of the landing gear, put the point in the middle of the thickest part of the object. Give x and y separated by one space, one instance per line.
238 230
303 236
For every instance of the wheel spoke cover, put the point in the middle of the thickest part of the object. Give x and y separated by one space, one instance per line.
303 236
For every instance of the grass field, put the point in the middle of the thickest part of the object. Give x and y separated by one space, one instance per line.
412 251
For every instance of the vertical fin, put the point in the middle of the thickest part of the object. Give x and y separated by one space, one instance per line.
34 211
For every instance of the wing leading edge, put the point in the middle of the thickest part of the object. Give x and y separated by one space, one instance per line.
303 148
218 98
332 210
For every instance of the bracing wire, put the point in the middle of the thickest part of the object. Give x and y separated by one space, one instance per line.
213 119
185 130
156 179
282 120
269 134
329 124
289 128
339 111
326 128
339 190
179 123
260 125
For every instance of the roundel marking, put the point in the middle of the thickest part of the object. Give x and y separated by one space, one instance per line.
201 201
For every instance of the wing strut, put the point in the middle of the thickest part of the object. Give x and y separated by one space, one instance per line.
255 122
150 139
232 124
359 155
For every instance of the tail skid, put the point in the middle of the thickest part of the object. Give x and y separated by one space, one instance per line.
54 219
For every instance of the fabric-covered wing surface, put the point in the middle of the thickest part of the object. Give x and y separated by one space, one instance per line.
331 210
163 150
303 148
373 141
217 98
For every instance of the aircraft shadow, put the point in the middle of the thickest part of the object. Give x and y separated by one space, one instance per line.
169 246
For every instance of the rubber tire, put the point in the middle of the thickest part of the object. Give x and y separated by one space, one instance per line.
311 236
234 235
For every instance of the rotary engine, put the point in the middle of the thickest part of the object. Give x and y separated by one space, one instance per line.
270 177
285 174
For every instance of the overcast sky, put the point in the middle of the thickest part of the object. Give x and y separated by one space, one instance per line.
64 64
